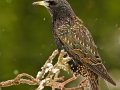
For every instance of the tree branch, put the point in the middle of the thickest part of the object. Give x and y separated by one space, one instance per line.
48 68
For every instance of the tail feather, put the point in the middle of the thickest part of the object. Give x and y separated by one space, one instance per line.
101 71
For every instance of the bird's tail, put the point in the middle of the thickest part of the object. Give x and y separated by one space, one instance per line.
93 80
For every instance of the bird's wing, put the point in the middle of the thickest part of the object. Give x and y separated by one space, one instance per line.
77 40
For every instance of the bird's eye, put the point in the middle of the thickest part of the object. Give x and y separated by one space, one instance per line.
52 2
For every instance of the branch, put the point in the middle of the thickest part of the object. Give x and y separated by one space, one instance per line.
19 80
48 68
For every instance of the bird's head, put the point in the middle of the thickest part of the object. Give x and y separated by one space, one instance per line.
57 8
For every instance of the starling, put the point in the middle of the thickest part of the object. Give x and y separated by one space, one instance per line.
71 35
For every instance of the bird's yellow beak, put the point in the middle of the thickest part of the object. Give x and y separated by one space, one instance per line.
43 3
39 3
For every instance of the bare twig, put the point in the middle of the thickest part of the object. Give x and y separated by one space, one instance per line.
18 80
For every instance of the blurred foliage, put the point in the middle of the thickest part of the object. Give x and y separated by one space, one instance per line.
26 39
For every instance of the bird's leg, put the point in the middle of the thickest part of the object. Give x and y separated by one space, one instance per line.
83 83
53 88
61 85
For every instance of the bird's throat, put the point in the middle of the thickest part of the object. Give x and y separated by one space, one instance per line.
61 15
61 21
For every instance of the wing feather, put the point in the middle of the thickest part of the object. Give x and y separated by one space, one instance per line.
78 41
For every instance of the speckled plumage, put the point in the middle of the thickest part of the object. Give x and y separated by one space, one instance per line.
79 44
71 35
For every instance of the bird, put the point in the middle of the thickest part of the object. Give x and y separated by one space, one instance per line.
71 35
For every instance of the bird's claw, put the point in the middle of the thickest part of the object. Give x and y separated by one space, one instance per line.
83 83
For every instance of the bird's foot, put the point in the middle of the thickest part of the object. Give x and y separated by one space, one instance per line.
83 83
61 85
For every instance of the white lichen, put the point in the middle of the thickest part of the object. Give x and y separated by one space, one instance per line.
41 86
55 70
49 65
38 74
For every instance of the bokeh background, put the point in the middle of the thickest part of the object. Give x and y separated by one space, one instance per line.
26 39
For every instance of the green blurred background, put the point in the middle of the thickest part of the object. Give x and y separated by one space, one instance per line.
26 39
